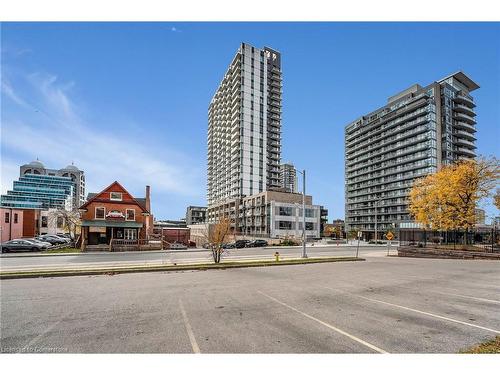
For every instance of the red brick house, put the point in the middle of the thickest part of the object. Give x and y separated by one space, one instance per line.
115 216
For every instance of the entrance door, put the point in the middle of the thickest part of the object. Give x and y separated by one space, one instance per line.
130 234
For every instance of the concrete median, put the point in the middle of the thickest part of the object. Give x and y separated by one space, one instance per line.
34 273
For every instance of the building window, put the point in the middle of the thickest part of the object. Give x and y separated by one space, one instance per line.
309 226
15 218
130 234
115 196
99 212
285 211
44 221
310 212
7 217
130 214
60 222
284 225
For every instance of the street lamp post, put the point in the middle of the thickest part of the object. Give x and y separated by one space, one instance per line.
376 233
303 173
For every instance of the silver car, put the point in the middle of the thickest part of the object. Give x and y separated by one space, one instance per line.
21 245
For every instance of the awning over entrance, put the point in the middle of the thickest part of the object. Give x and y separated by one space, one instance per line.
111 224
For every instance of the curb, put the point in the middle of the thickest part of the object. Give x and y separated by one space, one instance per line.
186 267
102 253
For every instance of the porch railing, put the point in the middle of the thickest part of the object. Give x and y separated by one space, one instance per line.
134 245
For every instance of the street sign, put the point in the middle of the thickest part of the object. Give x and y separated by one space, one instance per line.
389 236
360 234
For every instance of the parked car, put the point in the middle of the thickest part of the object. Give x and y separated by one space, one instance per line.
258 243
239 244
46 245
228 245
67 239
54 240
21 245
177 246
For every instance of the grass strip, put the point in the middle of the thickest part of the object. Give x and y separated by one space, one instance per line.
488 347
64 250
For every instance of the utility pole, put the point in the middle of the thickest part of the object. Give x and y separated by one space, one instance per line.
376 232
304 255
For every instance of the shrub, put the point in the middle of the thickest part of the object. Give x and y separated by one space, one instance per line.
288 242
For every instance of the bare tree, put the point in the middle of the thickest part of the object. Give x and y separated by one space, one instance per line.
71 221
216 235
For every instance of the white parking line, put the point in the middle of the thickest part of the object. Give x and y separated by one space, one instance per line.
417 311
338 330
471 297
43 333
192 339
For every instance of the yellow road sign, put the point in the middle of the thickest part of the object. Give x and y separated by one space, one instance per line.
389 236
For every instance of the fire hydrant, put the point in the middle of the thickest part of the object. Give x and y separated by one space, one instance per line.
277 256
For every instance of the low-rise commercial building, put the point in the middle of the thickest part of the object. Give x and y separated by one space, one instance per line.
114 214
11 224
271 214
195 215
18 223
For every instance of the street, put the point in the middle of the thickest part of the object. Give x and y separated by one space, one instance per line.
382 305
19 261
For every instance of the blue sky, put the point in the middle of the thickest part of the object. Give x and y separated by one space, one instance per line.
128 101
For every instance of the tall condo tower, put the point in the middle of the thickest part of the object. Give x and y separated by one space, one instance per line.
415 133
244 127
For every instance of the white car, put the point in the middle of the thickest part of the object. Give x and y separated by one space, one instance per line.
177 246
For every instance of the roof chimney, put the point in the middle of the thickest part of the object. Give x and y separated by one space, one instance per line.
148 202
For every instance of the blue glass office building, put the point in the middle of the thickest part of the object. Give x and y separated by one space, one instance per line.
40 191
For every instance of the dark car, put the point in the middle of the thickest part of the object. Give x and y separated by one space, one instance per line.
258 243
241 244
60 236
51 239
228 246
21 245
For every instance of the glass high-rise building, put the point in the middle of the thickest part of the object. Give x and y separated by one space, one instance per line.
415 133
244 127
40 192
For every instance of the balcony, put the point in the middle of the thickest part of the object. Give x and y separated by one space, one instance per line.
464 109
465 142
466 152
464 99
465 134
275 83
459 116
465 126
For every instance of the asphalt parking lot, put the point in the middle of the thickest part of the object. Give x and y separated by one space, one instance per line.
382 305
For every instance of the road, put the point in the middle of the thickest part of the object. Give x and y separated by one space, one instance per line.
385 304
14 261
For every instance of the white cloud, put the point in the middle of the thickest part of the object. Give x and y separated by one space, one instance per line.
8 173
56 132
7 90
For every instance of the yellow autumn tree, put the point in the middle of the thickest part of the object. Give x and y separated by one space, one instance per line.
447 199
